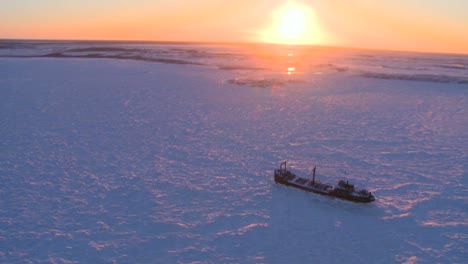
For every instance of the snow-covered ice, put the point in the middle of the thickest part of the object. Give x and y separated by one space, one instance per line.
164 153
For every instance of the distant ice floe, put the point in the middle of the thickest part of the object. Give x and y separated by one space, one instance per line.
123 56
175 53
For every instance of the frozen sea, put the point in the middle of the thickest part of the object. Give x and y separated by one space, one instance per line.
118 152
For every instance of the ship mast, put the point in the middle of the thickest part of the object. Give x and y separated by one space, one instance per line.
283 164
313 175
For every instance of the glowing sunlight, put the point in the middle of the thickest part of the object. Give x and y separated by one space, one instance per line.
293 23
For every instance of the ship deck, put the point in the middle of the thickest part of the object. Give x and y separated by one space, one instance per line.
307 184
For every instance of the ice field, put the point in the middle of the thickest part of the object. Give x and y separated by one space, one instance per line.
164 153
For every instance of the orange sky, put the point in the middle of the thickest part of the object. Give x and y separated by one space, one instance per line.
427 26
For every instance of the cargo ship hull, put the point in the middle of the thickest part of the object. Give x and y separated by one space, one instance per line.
343 190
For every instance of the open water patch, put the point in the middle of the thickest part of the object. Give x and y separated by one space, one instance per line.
263 82
416 77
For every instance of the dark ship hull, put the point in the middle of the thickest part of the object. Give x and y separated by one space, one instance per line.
343 190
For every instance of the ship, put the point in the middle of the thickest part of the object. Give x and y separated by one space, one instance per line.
343 190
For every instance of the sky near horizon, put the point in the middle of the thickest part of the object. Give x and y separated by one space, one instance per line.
414 25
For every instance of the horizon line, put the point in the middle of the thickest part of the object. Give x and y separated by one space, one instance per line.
198 42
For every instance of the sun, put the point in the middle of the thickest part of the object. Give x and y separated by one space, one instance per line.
293 23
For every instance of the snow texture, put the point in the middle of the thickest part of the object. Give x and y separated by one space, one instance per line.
164 153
